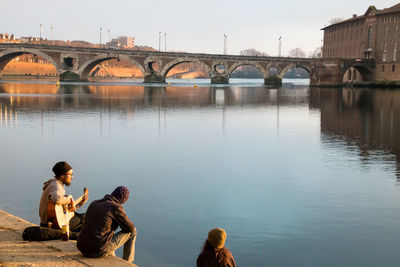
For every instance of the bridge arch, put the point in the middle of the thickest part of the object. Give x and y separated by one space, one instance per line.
89 65
283 70
365 73
234 66
175 62
9 54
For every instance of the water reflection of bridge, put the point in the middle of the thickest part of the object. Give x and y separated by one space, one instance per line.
16 98
367 118
49 95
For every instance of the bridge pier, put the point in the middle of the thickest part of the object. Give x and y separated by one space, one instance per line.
69 76
219 80
154 78
273 80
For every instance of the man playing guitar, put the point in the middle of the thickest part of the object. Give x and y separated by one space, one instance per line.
56 208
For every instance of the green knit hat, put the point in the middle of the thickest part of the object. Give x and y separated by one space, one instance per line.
216 237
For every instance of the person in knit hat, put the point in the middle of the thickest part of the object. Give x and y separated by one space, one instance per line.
103 217
214 254
54 191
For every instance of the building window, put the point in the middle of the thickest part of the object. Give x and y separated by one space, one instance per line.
383 68
386 31
369 37
393 68
354 75
384 52
349 74
395 51
396 31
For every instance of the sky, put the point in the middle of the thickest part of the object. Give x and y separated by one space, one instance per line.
196 27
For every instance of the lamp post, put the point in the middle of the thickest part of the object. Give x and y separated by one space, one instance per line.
159 41
165 42
109 36
40 34
225 44
280 47
52 34
322 48
100 35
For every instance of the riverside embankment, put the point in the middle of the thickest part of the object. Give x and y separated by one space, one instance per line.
14 251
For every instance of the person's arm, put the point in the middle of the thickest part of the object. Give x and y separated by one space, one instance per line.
57 195
122 220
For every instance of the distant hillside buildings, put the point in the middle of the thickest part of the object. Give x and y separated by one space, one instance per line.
122 42
373 35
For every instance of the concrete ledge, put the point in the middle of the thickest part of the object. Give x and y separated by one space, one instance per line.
14 251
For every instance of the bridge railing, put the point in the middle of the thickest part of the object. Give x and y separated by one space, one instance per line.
148 53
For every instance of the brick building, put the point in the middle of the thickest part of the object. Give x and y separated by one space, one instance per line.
373 35
122 42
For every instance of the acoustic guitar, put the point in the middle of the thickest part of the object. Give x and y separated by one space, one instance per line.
59 215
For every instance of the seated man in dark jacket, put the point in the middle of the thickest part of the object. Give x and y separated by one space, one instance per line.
103 217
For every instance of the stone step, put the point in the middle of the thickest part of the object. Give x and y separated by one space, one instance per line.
14 251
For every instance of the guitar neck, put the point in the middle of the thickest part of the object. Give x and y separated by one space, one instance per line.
78 202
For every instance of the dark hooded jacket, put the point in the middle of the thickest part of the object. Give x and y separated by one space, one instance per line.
102 218
207 259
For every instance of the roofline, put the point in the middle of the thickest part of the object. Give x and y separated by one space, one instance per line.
344 21
379 12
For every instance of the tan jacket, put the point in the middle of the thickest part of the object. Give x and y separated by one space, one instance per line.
52 189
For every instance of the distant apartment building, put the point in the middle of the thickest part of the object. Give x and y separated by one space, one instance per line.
122 42
373 35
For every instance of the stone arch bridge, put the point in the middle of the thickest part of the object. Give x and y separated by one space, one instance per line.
76 63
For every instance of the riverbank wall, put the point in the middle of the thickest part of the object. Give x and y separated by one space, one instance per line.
14 251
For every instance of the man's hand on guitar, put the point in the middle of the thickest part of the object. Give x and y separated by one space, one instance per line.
71 206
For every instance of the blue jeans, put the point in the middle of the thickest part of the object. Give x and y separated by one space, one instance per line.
126 239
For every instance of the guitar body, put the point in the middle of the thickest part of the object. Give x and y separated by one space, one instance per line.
59 215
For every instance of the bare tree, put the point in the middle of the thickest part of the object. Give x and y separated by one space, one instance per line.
335 20
297 52
317 53
252 52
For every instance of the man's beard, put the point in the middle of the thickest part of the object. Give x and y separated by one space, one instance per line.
67 183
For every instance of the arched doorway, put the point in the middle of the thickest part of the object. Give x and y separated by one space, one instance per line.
357 75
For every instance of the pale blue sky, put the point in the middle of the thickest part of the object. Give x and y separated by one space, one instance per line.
190 26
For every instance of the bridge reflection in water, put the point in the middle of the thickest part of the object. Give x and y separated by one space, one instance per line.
21 95
326 158
361 119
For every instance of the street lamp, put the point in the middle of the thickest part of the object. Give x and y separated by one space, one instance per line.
40 35
100 35
159 41
280 47
109 36
52 34
165 42
225 44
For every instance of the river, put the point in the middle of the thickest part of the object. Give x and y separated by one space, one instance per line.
297 176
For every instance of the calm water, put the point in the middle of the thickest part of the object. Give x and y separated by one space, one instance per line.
297 176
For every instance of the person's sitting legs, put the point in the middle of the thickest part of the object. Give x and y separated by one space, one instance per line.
127 239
